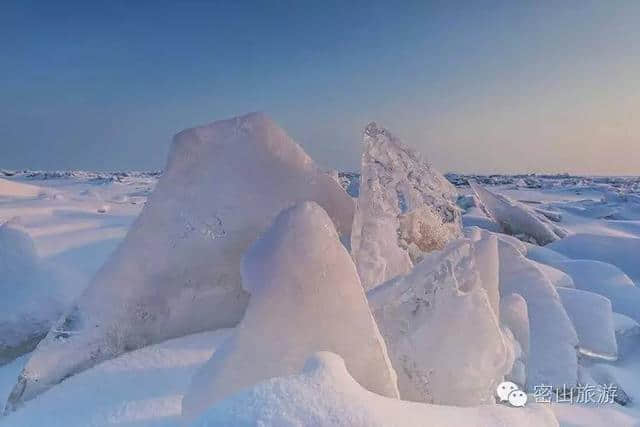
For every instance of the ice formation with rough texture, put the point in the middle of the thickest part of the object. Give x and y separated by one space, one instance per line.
325 394
178 269
553 340
405 209
431 316
516 219
305 297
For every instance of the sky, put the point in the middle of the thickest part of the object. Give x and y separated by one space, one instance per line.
477 87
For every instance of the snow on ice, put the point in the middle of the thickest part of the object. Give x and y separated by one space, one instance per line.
178 270
305 297
456 315
325 393
593 319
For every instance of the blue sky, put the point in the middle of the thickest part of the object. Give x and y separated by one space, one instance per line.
485 86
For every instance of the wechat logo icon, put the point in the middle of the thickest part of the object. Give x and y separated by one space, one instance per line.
510 392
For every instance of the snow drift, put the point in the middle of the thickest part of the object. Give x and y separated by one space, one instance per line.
405 208
325 394
10 189
178 269
619 251
606 280
305 297
592 317
142 388
28 305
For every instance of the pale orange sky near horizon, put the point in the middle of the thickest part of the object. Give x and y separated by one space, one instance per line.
559 128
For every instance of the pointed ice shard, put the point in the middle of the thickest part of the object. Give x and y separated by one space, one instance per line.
178 269
305 297
516 219
433 315
487 262
405 209
514 316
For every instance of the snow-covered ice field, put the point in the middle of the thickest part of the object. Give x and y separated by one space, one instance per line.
573 321
77 219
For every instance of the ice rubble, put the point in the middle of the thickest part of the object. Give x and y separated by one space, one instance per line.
305 297
552 353
431 316
516 219
28 305
593 320
325 393
178 269
405 208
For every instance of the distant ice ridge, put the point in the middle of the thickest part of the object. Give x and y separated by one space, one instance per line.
516 219
80 175
620 185
305 297
325 393
615 188
178 269
405 208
